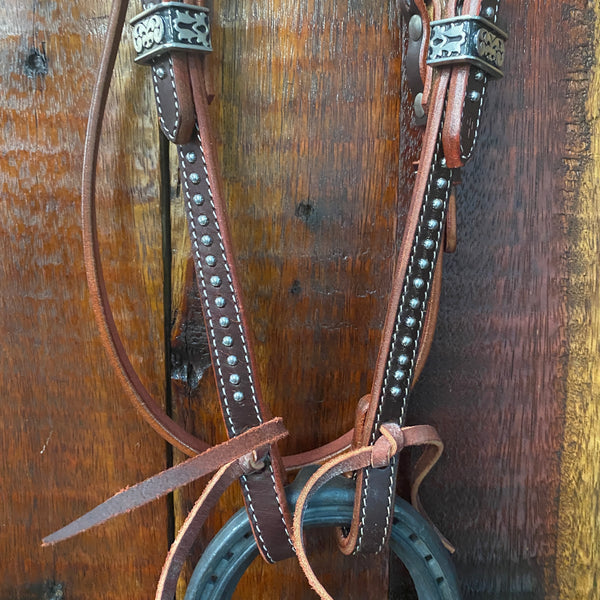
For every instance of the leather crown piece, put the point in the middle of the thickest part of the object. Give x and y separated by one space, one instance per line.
453 48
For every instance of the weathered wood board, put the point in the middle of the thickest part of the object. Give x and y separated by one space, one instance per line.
316 147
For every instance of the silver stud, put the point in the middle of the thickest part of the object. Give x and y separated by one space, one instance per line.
415 28
399 375
235 379
211 261
206 240
437 204
432 224
215 281
194 178
238 396
428 244
190 157
198 199
443 162
410 322
479 76
415 303
395 391
418 106
228 341
224 322
203 220
160 72
474 96
418 283
232 360
403 359
406 341
489 12
423 263
220 301
441 183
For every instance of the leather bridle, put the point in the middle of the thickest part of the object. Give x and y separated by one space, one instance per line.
455 47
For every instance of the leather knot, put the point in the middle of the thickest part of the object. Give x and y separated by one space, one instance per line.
390 442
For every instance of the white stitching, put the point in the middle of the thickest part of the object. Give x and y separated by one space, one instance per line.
390 358
170 134
241 333
464 155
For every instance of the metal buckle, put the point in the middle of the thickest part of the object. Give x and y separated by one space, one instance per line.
170 26
467 39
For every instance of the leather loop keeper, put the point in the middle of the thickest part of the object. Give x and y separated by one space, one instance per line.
392 441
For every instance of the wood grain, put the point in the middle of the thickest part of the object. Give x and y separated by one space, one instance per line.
578 561
68 439
317 152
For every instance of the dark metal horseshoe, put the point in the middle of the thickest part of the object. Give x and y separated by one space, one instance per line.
413 541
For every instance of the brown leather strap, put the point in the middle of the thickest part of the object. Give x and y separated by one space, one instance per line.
189 531
134 388
376 456
253 441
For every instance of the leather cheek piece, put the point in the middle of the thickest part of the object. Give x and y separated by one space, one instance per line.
393 439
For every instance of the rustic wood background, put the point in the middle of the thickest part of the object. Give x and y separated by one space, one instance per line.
316 154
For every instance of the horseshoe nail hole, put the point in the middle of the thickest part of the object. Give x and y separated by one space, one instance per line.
429 558
214 578
439 580
36 63
413 537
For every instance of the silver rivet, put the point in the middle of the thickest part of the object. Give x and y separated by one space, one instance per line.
232 360
203 220
224 322
395 391
415 28
410 322
418 106
432 224
228 341
479 76
437 204
206 240
428 244
194 178
415 303
399 375
474 96
238 396
235 379
198 199
160 72
423 263
418 283
406 341
215 281
403 359
190 157
220 301
489 12
443 162
441 183
211 261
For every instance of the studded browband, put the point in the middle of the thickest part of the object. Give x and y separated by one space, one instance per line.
454 48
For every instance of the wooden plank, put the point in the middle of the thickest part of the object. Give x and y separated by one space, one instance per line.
500 373
69 438
306 113
578 562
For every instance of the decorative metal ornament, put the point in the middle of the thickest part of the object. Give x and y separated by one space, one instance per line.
467 39
170 26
